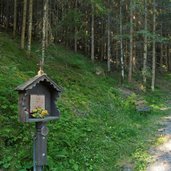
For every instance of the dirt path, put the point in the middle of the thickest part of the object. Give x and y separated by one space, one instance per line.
162 154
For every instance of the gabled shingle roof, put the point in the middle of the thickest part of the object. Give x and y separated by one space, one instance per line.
35 80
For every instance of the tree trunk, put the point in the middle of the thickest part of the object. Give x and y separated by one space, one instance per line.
47 25
145 46
166 57
102 42
169 60
108 40
131 43
1 12
117 56
23 24
102 50
134 59
161 56
30 25
92 33
161 50
154 47
15 18
75 40
85 34
76 31
121 44
7 14
44 32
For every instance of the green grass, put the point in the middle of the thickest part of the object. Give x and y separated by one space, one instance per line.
98 128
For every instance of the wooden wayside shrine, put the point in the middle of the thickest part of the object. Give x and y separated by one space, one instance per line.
37 103
38 92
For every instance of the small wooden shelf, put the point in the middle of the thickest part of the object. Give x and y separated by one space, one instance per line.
48 118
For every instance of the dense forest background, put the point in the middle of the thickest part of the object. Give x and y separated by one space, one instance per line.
106 56
132 37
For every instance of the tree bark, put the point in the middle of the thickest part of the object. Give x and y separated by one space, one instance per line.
92 34
145 46
23 24
15 18
161 50
131 43
1 12
30 25
134 59
44 32
47 26
121 44
154 47
161 56
108 39
76 31
7 14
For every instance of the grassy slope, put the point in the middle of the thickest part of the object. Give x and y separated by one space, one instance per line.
98 129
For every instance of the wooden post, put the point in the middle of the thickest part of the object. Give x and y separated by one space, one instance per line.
40 146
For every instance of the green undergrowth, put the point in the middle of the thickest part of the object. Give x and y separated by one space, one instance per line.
99 129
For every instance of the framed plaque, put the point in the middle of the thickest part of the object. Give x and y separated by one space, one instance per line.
37 101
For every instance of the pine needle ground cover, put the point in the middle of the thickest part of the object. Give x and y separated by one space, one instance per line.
98 128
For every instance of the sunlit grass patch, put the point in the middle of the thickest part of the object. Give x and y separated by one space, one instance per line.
161 140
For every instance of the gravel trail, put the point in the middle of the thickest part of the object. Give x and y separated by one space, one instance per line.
162 154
